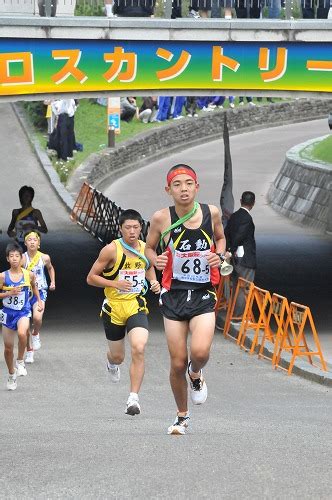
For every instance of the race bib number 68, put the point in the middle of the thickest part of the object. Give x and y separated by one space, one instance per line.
191 266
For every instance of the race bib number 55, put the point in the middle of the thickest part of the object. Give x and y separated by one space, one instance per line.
191 266
136 278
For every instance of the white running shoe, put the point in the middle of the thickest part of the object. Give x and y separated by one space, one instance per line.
133 407
29 357
36 344
20 369
198 389
12 382
179 426
193 13
114 371
232 105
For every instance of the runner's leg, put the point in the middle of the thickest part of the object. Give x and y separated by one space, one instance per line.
138 338
176 335
8 341
22 332
202 329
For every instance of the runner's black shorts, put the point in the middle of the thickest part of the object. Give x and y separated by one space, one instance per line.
183 305
115 331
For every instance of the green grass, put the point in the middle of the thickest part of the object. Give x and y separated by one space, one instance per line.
321 151
91 131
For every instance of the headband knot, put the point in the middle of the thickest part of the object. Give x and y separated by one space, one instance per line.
179 171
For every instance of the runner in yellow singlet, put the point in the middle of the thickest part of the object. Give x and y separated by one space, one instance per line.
25 218
121 269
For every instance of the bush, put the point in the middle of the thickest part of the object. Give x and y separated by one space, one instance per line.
36 111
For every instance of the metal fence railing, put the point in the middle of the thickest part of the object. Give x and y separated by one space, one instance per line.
282 9
98 215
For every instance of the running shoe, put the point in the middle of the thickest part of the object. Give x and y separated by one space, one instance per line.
21 371
36 344
198 388
194 14
29 357
179 426
114 371
133 407
12 382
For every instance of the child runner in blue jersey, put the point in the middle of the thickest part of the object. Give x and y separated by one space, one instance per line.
36 261
15 285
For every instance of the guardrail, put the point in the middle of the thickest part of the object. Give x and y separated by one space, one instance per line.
98 215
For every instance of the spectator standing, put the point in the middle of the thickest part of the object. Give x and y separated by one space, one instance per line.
63 138
109 6
177 106
134 8
164 104
191 106
308 9
240 241
249 101
246 9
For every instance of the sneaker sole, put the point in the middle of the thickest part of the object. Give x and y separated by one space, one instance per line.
133 410
176 431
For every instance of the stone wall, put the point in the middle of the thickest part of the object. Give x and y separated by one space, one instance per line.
302 190
103 168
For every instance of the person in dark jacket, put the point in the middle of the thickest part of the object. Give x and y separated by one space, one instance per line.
134 8
240 238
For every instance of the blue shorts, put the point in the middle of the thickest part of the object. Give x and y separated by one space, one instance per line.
43 297
10 318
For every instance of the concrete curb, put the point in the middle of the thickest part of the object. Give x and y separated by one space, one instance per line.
46 164
301 367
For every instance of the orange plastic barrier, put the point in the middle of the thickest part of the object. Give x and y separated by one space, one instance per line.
243 286
83 204
299 318
255 317
279 313
223 294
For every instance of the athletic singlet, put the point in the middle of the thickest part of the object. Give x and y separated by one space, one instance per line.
187 267
129 268
38 270
21 226
21 300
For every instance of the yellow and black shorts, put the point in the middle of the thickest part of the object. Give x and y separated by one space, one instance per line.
124 315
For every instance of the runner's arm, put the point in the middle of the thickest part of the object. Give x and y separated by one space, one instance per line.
7 293
219 237
36 291
152 278
41 223
11 228
152 241
106 259
50 270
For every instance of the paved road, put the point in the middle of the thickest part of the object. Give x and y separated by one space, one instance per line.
64 434
292 260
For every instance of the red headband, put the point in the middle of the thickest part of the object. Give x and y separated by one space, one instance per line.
179 171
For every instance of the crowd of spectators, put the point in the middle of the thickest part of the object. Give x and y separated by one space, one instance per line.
200 9
162 108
